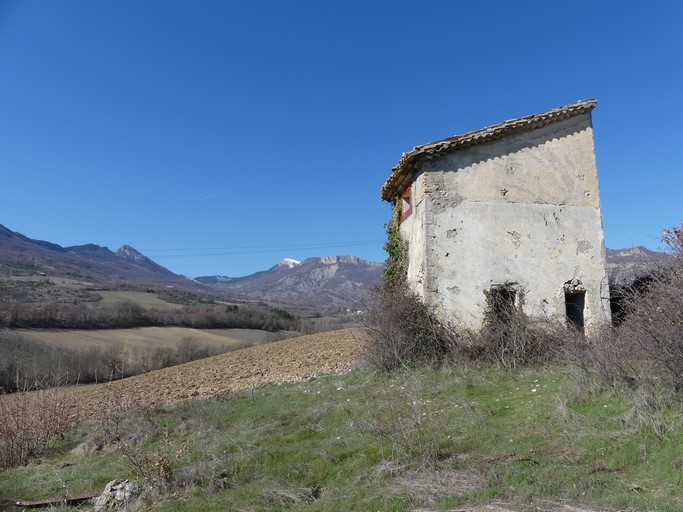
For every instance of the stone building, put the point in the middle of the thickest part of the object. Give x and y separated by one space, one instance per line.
511 211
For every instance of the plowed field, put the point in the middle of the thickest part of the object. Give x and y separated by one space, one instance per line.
292 360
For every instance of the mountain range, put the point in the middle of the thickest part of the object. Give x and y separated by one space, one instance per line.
323 282
626 265
329 280
22 255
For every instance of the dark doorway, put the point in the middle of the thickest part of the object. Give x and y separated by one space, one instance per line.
574 303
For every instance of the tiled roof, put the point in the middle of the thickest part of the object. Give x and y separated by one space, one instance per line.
410 162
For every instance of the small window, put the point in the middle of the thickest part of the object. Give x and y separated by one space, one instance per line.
574 304
406 203
501 304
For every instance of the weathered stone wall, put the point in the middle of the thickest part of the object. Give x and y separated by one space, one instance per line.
412 230
523 210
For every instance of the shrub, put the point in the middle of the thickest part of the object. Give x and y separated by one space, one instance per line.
403 332
510 339
653 329
646 348
30 423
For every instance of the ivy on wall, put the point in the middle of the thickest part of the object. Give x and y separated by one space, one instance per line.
396 268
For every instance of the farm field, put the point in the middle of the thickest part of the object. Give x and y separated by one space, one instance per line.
62 281
151 337
255 336
143 299
289 360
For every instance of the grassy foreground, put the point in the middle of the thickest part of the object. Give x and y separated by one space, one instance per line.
429 439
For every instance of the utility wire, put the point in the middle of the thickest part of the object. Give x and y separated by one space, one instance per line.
226 251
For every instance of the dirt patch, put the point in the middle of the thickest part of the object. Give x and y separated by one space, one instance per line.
292 360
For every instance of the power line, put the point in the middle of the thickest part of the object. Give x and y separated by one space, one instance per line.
228 251
278 246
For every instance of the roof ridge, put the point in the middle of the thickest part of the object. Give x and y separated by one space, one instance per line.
582 104
410 160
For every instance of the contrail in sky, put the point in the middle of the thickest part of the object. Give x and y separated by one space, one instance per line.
213 195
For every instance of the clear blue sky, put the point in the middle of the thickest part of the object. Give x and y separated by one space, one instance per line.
219 137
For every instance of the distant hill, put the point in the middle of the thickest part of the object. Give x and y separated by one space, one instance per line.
20 255
327 281
628 264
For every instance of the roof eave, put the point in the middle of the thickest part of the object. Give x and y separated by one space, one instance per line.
410 162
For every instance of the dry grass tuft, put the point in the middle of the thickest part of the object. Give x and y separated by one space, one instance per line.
291 496
429 484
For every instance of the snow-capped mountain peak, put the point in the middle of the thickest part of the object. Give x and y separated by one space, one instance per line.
289 262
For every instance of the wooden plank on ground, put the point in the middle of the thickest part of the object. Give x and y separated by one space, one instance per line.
67 500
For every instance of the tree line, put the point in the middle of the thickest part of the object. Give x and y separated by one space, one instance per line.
28 363
127 314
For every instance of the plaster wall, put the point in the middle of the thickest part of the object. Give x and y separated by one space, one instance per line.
523 210
412 230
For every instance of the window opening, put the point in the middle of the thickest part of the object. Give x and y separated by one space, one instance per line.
501 304
406 203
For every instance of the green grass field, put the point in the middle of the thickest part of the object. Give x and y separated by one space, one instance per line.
427 440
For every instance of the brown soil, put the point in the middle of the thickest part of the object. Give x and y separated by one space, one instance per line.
292 360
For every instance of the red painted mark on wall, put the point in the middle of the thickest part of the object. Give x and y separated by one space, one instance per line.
407 203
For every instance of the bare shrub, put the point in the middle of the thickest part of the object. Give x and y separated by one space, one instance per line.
646 348
607 360
653 329
509 338
613 363
116 410
518 340
674 238
157 467
31 423
403 332
130 430
642 357
623 295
